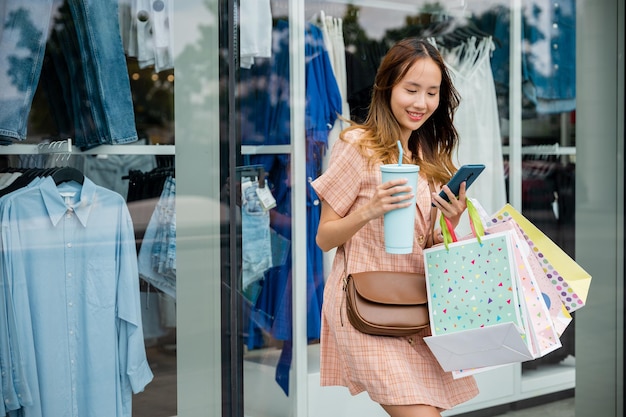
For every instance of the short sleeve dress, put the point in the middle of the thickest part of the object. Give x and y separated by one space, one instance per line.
393 370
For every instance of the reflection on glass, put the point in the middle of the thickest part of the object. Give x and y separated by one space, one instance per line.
79 70
474 38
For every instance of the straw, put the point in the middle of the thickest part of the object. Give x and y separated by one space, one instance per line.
400 156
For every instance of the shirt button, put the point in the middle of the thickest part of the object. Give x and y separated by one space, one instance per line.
410 340
69 245
555 46
316 202
70 304
556 66
158 5
420 239
69 275
555 25
143 16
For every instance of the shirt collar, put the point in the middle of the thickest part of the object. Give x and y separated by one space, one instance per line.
56 205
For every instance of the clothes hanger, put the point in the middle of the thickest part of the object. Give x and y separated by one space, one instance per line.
253 171
66 174
22 181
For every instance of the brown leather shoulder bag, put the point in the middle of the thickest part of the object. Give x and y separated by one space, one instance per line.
386 303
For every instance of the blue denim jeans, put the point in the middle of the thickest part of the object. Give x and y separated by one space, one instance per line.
93 66
24 31
256 251
156 260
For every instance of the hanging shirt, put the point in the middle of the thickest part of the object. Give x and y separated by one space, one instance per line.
548 55
73 284
255 31
477 120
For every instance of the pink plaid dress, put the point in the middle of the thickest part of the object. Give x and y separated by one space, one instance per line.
393 370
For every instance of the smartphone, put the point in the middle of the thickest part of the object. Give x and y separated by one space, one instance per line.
467 173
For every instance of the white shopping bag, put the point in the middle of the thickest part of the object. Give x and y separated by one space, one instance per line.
476 348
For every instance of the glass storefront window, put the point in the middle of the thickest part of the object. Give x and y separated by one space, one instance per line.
475 40
86 97
203 123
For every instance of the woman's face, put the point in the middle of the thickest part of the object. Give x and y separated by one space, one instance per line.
416 97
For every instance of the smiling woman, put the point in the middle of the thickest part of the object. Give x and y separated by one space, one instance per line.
413 102
538 98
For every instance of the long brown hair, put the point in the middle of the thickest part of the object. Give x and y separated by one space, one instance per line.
433 143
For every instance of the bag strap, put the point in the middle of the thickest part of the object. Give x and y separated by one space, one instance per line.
430 241
475 223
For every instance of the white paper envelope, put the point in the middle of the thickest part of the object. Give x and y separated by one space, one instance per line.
488 346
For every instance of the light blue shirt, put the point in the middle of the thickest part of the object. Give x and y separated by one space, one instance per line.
69 271
11 363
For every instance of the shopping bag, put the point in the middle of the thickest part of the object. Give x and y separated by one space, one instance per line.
472 284
472 349
560 316
570 279
476 317
542 330
543 324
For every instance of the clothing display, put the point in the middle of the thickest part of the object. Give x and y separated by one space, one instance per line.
255 31
256 243
477 119
332 31
108 171
78 42
270 126
151 202
90 306
548 55
70 317
157 254
362 61
394 370
147 33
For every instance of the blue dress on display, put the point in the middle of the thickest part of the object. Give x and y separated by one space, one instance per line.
271 126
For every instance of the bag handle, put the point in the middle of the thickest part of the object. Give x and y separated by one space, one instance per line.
476 224
430 240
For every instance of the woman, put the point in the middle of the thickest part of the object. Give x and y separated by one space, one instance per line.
413 101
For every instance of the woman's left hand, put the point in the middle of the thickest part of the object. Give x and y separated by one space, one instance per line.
451 210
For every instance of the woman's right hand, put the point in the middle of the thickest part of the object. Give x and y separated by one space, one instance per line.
334 230
391 195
